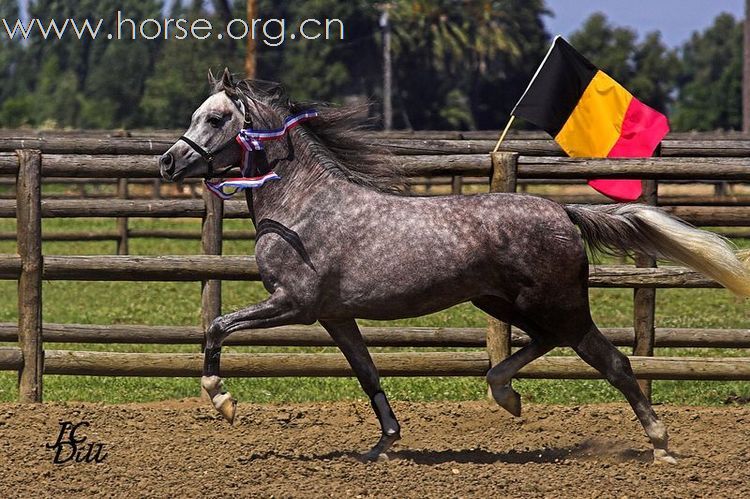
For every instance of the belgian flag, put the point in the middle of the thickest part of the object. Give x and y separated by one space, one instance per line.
590 115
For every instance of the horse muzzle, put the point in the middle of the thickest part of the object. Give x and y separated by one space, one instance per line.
167 166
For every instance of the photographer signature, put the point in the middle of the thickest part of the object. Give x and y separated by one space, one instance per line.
70 447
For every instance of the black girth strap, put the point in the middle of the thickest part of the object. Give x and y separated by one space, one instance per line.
268 226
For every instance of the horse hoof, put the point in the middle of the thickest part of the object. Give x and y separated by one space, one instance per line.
222 402
661 456
507 398
375 456
226 405
378 453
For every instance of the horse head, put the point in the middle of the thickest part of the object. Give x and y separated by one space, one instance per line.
209 145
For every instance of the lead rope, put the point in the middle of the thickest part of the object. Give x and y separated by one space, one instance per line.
252 140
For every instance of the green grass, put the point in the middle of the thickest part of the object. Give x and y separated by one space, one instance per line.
178 304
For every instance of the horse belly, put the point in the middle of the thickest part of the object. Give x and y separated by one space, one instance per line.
411 290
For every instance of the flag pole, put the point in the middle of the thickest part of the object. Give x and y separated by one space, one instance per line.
502 135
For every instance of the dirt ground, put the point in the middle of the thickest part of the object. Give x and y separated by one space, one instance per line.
470 449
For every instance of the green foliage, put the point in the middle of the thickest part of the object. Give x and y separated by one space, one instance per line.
457 65
463 65
647 69
710 84
332 70
9 53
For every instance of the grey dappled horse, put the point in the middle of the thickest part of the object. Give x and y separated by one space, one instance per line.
335 243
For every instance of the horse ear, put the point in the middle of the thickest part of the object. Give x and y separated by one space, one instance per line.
227 80
211 78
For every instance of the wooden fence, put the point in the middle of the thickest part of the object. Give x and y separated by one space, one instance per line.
125 158
147 142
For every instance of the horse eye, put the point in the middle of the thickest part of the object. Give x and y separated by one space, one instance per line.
215 121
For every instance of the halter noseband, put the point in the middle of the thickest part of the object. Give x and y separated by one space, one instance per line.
210 156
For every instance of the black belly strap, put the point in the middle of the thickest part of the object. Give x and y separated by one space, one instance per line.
268 226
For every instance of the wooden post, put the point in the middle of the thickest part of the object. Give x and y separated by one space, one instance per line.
123 245
29 236
385 26
457 184
746 71
211 244
644 299
504 179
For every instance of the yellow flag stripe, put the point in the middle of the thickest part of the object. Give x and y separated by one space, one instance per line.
595 124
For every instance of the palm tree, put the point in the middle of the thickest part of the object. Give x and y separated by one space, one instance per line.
447 47
453 34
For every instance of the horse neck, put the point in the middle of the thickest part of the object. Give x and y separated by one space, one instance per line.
303 178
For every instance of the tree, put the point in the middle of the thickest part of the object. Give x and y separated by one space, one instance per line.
710 85
495 91
109 100
14 100
449 55
9 52
86 82
647 69
178 84
326 70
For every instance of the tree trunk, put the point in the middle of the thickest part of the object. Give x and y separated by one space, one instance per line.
251 67
746 72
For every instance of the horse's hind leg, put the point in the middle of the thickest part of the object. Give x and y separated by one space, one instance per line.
500 376
347 336
601 354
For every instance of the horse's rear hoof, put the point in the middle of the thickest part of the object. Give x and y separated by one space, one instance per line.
507 398
378 453
661 456
375 457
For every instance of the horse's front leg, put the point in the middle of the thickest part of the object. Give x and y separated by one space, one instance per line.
347 336
277 310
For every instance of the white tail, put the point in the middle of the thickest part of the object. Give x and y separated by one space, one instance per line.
628 227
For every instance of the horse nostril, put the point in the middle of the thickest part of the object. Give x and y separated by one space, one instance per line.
167 163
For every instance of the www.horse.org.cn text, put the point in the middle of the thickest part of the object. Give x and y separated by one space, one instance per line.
271 32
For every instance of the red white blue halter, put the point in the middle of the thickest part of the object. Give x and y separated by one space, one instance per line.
252 140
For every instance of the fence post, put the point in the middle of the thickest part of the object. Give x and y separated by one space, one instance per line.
123 244
29 237
644 299
503 178
457 184
211 244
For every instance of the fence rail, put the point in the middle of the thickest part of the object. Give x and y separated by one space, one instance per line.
315 336
389 364
735 169
684 158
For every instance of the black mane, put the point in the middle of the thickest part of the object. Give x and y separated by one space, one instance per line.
337 132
